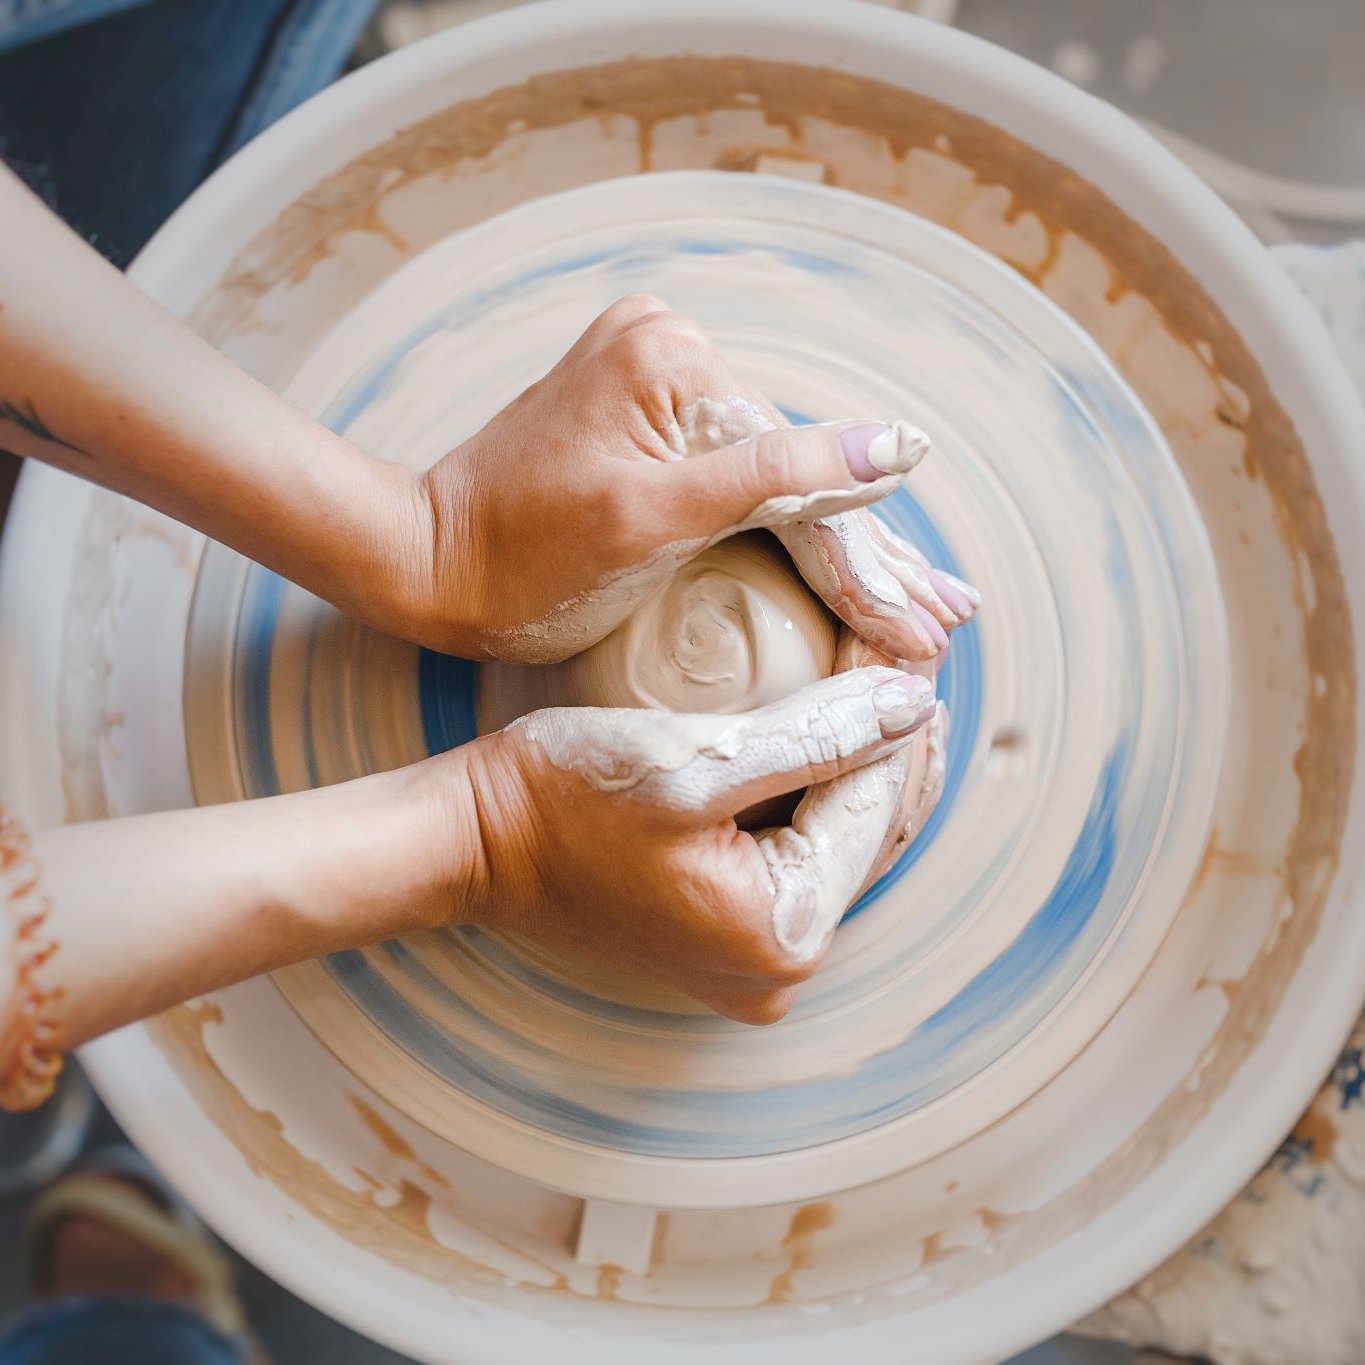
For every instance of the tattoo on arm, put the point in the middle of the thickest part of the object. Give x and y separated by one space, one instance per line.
26 418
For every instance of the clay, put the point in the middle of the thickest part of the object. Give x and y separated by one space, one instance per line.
732 630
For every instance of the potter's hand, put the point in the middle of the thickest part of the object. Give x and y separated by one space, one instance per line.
612 832
608 830
531 541
915 774
571 506
877 583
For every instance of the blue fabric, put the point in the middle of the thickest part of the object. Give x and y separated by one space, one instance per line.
114 110
27 21
309 49
114 1331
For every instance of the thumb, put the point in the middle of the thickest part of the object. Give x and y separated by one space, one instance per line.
789 474
827 729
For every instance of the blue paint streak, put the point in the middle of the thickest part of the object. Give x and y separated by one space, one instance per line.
1349 1078
255 649
479 1075
1025 965
375 378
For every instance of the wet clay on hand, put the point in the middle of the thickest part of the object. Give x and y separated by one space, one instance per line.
733 629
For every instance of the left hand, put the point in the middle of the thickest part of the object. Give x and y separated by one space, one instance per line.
530 542
544 530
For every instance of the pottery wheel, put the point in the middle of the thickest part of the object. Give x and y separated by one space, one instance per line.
1088 702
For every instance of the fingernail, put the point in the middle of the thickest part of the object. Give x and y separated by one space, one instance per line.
960 598
902 704
935 632
874 449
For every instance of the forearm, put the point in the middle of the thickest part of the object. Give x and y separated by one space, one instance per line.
151 910
99 380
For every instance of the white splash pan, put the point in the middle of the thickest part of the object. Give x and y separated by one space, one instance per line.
974 1254
997 948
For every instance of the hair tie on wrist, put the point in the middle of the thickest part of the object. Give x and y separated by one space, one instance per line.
35 1061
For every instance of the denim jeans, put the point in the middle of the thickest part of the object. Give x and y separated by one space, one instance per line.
114 110
114 1331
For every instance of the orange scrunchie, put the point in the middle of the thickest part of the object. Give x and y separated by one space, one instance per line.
30 1040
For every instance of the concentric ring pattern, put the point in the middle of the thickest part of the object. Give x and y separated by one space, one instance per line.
1074 810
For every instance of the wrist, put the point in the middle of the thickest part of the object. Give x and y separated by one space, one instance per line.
440 593
343 523
391 579
392 854
447 841
387 580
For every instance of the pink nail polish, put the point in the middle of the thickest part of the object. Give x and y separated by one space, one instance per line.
902 705
959 597
874 449
855 441
935 632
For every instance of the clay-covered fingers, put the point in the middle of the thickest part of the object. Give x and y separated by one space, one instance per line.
712 766
781 475
630 457
825 731
951 601
709 406
665 361
819 862
845 833
613 831
850 828
925 759
872 579
748 974
878 585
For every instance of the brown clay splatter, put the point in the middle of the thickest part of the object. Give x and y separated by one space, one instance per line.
398 1230
1318 1132
806 1222
394 1142
995 1221
1229 987
1236 862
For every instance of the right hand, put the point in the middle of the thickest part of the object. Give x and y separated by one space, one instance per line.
612 832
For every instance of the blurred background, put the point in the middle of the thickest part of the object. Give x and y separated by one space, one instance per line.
1266 101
